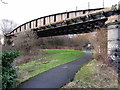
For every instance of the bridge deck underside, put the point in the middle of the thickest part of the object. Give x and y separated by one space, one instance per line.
75 28
70 25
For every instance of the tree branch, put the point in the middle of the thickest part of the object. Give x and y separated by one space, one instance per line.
3 2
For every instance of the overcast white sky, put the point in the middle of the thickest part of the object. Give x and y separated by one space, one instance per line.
21 11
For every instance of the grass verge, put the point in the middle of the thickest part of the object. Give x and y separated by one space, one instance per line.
94 75
52 58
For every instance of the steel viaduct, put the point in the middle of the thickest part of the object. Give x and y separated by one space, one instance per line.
76 22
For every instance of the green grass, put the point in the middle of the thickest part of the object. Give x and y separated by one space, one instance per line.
52 58
85 74
94 75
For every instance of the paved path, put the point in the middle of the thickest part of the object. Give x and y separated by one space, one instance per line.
58 76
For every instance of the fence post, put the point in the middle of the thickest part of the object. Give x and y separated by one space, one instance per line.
36 24
54 18
67 14
44 21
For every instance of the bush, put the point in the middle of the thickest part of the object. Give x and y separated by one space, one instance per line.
9 74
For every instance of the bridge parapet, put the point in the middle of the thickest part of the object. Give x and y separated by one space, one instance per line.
66 18
42 21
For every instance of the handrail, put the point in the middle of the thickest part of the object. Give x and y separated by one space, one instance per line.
47 19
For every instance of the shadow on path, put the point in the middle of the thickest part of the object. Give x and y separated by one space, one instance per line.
58 76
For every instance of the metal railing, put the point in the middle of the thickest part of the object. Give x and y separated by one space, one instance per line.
46 20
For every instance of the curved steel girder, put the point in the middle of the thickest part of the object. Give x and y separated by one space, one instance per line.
85 27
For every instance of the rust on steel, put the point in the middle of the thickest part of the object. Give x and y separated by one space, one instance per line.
66 18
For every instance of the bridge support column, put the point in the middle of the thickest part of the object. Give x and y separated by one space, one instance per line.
114 44
113 37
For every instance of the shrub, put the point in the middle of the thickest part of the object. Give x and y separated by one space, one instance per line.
9 74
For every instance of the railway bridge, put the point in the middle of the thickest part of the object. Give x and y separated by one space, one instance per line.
76 22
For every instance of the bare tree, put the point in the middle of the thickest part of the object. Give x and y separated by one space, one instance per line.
99 40
7 25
